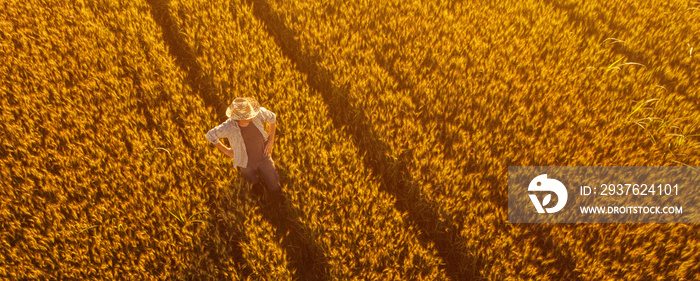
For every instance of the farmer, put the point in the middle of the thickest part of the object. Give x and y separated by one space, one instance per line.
251 146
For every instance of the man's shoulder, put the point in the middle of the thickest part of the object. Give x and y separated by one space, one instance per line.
229 124
267 115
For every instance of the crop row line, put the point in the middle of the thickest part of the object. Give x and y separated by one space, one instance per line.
392 173
203 85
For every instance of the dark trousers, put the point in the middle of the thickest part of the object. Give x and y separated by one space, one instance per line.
268 171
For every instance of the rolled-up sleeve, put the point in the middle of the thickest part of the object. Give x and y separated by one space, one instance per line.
217 133
267 116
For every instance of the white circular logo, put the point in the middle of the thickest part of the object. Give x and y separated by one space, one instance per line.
542 183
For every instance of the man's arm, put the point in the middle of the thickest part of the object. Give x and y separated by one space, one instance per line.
270 139
226 150
215 134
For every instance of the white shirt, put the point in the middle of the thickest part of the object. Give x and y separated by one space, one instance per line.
229 129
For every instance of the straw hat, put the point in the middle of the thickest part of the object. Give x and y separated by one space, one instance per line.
243 108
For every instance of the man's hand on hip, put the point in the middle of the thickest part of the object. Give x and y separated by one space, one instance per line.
268 147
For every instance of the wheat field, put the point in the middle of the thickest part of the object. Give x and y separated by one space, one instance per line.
397 121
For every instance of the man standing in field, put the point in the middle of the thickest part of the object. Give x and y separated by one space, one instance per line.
251 146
